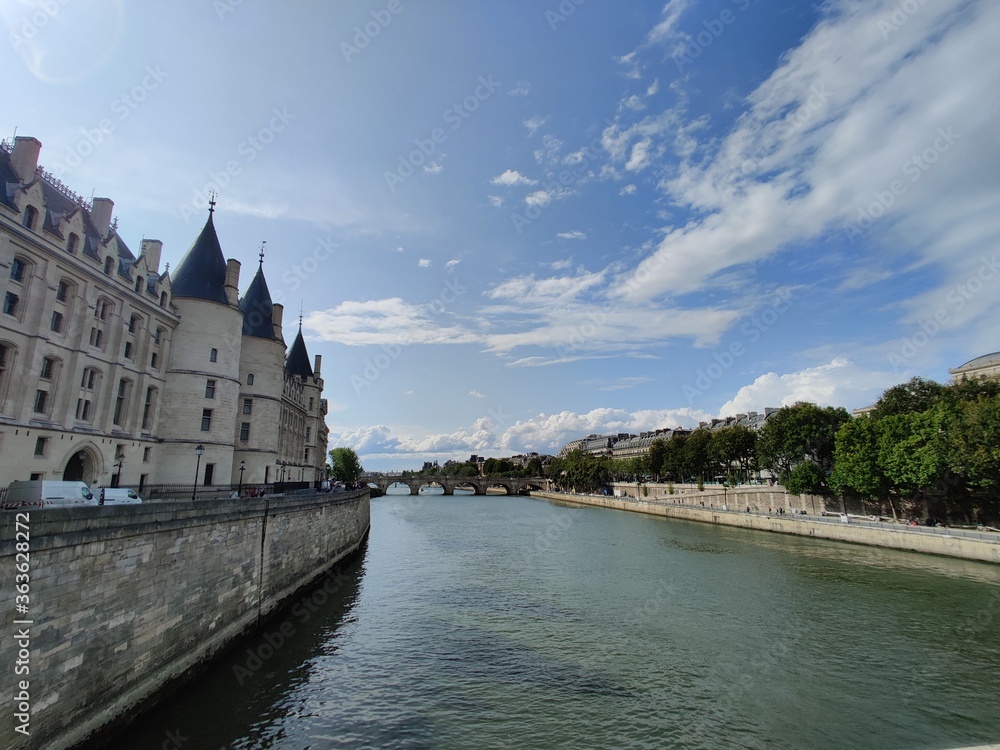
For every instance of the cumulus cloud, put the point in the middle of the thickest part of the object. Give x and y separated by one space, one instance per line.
839 382
424 263
512 177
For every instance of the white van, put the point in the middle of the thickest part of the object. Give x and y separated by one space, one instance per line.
46 492
116 496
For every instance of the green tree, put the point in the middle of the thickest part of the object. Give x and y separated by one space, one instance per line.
806 478
346 464
657 457
696 460
916 395
856 469
735 450
802 432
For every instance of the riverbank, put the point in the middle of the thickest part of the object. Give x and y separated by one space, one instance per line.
127 603
951 543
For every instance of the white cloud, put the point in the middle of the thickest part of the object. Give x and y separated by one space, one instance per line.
435 167
575 234
534 123
385 322
424 263
523 88
495 200
628 190
452 263
476 394
837 383
545 197
820 142
512 177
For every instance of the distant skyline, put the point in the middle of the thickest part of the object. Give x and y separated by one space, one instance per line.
513 224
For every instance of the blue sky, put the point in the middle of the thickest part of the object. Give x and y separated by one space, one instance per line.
512 224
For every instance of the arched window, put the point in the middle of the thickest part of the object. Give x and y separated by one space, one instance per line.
109 265
134 323
104 308
139 284
30 217
72 243
121 401
163 299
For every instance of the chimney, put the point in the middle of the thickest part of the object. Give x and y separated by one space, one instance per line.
233 281
318 359
277 310
151 249
24 157
100 214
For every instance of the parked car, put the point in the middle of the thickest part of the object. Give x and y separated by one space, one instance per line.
48 492
116 496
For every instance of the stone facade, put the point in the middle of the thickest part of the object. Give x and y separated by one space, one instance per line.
113 371
987 366
128 600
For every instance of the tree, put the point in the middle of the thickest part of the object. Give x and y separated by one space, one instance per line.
807 478
735 446
802 432
696 461
657 456
856 469
916 395
346 464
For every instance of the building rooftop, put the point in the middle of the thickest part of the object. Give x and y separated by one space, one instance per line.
201 274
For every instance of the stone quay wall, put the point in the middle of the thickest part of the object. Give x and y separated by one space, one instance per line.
127 602
760 498
877 535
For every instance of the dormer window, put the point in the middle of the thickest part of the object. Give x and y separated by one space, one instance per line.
72 243
109 265
30 217
163 299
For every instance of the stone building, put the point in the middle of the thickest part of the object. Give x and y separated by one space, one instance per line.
986 366
114 371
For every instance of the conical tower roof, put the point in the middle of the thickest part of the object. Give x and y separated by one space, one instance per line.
297 361
257 308
202 271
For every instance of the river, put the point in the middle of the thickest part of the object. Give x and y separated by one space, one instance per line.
511 622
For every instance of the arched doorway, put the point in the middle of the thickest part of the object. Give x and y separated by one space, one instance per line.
79 467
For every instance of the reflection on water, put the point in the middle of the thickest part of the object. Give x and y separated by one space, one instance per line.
511 622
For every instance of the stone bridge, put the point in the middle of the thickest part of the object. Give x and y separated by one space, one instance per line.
479 485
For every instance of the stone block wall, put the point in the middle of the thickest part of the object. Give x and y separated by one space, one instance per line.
127 600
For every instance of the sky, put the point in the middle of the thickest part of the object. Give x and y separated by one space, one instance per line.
509 225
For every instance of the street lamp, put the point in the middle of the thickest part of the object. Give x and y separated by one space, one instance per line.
199 452
243 466
118 476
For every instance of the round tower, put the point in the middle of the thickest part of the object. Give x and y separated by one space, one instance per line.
262 361
201 393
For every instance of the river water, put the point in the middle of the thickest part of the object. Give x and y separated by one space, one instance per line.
511 622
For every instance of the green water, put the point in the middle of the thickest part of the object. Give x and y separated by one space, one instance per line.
495 622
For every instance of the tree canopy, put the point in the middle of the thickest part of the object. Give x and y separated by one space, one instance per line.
345 464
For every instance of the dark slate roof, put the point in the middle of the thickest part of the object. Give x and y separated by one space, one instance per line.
257 308
202 271
297 361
